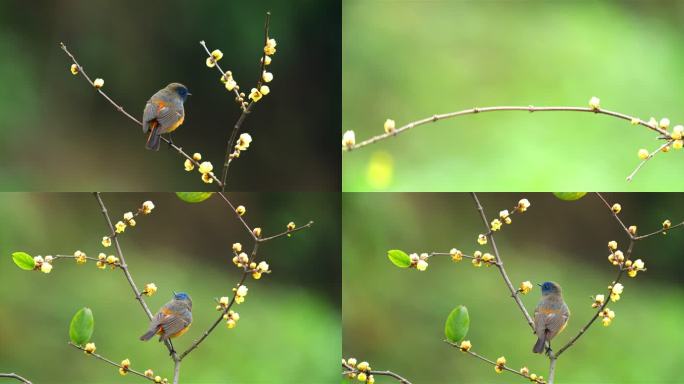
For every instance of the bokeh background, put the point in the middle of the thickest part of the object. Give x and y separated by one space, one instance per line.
59 135
289 330
394 318
407 60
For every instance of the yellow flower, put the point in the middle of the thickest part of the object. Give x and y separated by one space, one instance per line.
243 142
257 231
74 69
241 210
421 265
241 290
157 379
268 60
616 208
264 90
269 48
488 259
643 154
120 226
351 361
106 241
255 95
677 132
147 207
598 301
230 84
348 139
111 259
125 363
237 247
189 165
664 123
291 226
500 363
206 177
150 289
389 126
363 366
667 224
632 229
210 62
46 267
263 266
267 77
361 376
525 287
149 373
205 167
217 54
370 379
197 156
495 225
525 371
677 144
98 83
481 239
635 121
523 204
595 103
456 255
465 345
612 245
90 348
231 323
80 257
477 262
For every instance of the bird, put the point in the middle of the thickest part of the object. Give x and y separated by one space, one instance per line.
164 113
550 316
172 320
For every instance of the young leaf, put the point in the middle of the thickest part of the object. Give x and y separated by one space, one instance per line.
569 196
194 197
457 324
399 258
23 260
81 327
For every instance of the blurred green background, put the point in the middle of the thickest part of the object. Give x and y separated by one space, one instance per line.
408 60
394 318
59 135
289 328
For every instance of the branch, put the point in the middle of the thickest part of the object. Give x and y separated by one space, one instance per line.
124 268
597 110
15 376
106 360
348 369
504 367
500 265
119 108
206 333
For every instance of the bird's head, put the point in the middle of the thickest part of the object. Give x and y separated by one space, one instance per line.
180 89
550 287
182 296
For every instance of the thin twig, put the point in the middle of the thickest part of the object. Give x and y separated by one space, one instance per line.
650 155
500 265
434 118
106 360
504 367
348 369
122 110
15 376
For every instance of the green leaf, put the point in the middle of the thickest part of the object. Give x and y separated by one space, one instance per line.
24 261
194 197
457 324
81 327
399 258
569 196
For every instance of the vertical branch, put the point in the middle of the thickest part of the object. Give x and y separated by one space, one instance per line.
500 265
245 111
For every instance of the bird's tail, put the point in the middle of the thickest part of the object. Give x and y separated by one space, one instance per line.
148 335
153 138
539 347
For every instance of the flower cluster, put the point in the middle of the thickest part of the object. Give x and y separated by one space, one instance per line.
615 291
231 318
419 262
124 367
361 371
504 218
80 257
206 170
129 218
598 301
103 260
157 379
456 255
479 258
43 264
606 316
189 165
634 267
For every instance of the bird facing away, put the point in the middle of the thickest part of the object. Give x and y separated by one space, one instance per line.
172 320
164 113
550 316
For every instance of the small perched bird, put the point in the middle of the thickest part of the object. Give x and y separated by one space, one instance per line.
164 113
551 315
172 320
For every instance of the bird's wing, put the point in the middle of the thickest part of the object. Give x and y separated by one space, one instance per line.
149 114
555 322
172 324
168 116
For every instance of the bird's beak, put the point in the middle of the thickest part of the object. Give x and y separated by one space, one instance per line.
539 284
189 94
174 293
